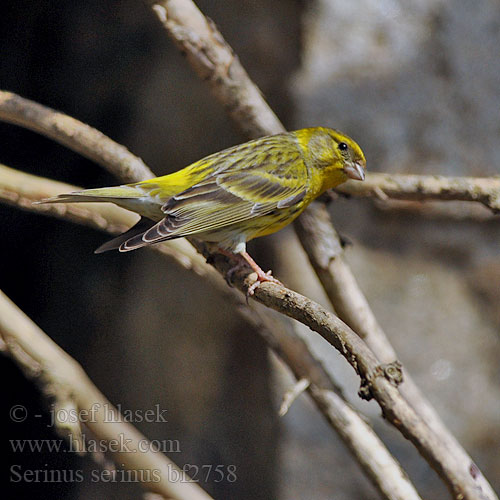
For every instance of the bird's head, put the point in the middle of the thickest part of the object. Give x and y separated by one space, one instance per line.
335 155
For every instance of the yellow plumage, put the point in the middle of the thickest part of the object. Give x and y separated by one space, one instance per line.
235 195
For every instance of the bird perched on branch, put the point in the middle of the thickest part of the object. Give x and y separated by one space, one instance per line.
235 195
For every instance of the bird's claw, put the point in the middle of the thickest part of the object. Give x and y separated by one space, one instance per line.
261 278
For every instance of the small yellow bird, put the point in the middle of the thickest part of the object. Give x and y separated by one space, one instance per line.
230 197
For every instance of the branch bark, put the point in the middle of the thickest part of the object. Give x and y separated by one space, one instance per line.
463 485
455 211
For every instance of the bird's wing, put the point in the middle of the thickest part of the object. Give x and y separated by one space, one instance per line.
230 195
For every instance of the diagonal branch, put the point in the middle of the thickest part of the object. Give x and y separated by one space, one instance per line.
21 189
325 252
73 134
61 377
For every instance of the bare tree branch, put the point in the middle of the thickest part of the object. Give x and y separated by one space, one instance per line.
216 63
325 252
378 381
100 156
446 467
63 379
246 107
21 189
485 190
73 134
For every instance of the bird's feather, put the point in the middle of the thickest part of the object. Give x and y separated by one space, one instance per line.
138 229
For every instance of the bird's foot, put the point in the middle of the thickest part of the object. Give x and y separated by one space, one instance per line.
244 260
261 275
261 278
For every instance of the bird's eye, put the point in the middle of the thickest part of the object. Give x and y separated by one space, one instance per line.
342 146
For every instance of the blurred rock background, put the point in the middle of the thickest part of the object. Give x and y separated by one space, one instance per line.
417 83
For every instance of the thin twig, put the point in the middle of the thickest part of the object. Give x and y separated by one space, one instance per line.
374 458
292 394
21 189
325 252
63 379
457 481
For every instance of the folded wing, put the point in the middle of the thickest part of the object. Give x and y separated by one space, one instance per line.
232 195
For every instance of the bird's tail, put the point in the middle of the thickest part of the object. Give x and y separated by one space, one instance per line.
112 194
129 196
119 242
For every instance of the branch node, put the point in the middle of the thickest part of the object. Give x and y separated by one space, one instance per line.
393 372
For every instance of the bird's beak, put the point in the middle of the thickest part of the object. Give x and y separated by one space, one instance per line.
355 171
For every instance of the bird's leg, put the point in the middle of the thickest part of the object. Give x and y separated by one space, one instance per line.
261 275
